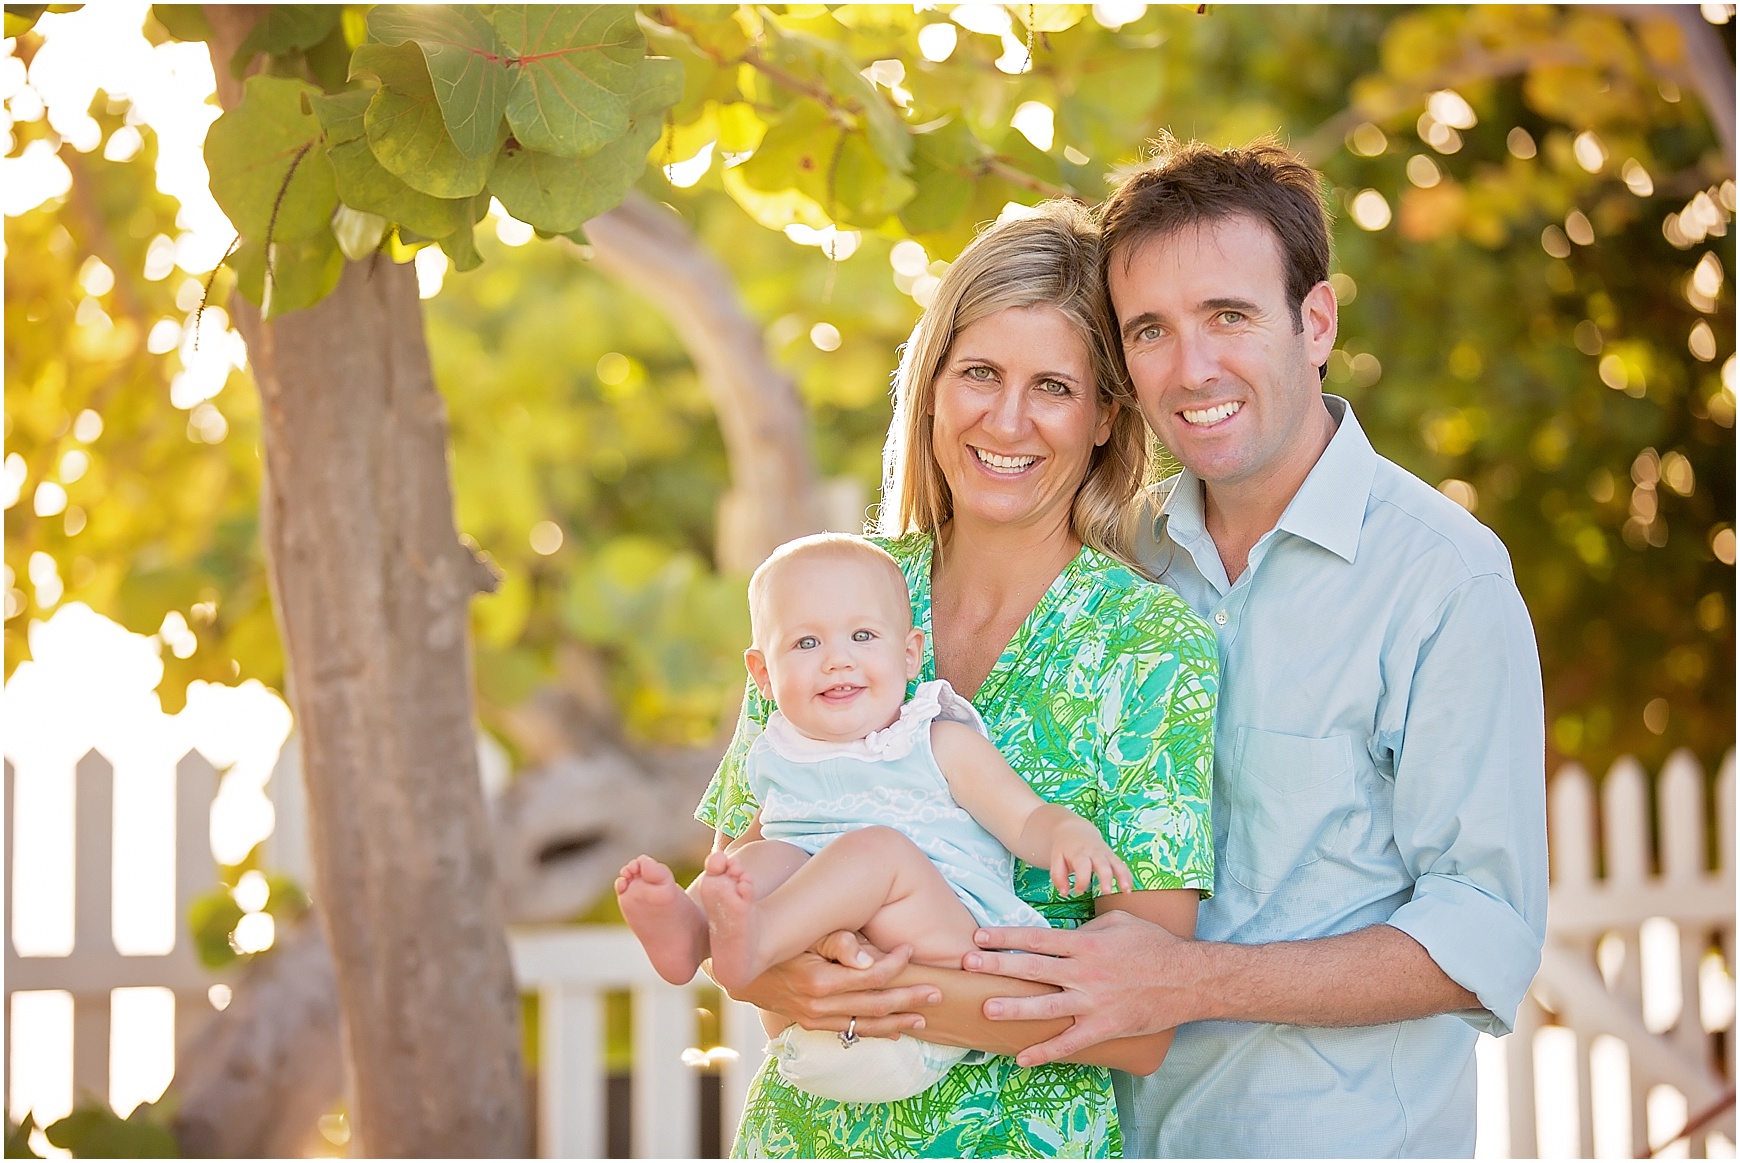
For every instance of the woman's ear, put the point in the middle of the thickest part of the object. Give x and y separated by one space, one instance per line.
1108 413
756 662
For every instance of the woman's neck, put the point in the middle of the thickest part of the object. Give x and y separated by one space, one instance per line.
1003 562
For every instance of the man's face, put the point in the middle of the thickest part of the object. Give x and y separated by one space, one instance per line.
1224 378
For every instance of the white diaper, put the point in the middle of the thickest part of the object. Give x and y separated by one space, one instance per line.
869 1070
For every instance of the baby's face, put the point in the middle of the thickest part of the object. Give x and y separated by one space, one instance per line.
835 647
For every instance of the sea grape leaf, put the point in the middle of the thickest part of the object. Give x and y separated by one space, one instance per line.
367 186
405 127
865 190
251 149
797 152
304 271
461 248
465 61
577 74
181 21
284 28
557 194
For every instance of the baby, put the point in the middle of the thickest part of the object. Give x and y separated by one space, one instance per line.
891 817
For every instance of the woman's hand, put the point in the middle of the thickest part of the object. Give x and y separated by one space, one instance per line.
822 990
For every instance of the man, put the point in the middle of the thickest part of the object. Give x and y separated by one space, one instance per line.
1379 799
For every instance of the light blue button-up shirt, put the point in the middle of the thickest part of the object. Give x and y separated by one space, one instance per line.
1379 758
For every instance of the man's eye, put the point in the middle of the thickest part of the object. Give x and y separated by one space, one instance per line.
1232 317
1148 334
862 635
808 642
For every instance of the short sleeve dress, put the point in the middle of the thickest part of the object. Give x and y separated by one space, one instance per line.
1103 701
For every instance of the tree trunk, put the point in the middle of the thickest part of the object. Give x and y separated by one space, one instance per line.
774 495
371 587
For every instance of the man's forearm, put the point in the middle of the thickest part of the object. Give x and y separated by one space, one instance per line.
1365 978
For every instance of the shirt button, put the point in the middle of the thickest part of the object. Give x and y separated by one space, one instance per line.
1220 617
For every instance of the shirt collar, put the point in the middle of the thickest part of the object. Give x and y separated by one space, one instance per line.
1328 509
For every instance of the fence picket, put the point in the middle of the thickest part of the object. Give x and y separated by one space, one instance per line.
1572 853
666 1092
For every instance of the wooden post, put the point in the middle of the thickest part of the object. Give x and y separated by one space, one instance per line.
93 922
571 1072
666 1120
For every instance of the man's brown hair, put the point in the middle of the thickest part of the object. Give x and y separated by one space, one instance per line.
1191 183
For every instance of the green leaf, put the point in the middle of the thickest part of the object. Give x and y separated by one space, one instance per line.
21 18
304 271
465 61
405 127
365 185
182 21
96 1132
942 171
461 248
866 191
18 1138
285 28
211 918
578 73
252 148
557 194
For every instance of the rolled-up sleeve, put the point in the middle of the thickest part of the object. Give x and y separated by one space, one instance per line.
1470 797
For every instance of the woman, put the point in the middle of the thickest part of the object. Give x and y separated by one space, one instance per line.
1014 450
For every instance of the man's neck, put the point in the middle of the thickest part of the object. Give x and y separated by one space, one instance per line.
1238 513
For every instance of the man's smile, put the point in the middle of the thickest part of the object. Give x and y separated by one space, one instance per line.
1209 417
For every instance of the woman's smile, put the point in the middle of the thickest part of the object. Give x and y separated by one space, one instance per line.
1004 465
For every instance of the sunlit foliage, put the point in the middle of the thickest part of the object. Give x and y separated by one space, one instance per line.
1534 257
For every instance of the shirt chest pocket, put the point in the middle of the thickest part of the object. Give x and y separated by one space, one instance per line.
1287 802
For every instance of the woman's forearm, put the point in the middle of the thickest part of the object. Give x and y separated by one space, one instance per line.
959 1020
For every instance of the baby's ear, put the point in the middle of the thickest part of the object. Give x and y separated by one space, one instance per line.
756 662
914 652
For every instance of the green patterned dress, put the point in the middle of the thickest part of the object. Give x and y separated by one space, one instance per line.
1104 701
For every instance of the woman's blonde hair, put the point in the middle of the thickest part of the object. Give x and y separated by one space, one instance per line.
1049 257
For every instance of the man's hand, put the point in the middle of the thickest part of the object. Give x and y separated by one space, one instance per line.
821 990
1096 967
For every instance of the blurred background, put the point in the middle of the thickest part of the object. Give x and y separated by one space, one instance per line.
1533 239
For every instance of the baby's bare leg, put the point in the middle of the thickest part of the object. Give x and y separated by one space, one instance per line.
874 879
671 923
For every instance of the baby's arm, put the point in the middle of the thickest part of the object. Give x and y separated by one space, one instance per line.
1045 835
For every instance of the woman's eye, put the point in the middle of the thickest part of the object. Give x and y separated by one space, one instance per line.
862 635
979 372
1054 387
808 642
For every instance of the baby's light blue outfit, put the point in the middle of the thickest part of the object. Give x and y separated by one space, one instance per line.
813 792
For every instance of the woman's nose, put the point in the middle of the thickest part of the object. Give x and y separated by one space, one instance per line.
1008 411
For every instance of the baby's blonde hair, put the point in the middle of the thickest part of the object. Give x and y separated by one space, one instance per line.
839 546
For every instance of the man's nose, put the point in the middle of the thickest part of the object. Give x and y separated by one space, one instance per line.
1198 360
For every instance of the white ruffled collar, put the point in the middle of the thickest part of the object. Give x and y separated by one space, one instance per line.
932 700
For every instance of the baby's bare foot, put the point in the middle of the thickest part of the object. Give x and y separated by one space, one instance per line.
671 927
729 900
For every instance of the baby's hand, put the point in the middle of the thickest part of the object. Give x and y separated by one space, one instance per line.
1078 851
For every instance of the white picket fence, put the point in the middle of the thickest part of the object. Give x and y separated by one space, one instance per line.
1599 1064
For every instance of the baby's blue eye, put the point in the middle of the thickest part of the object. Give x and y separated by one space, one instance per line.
862 635
808 642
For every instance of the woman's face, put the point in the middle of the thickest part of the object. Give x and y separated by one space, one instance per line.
1016 417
